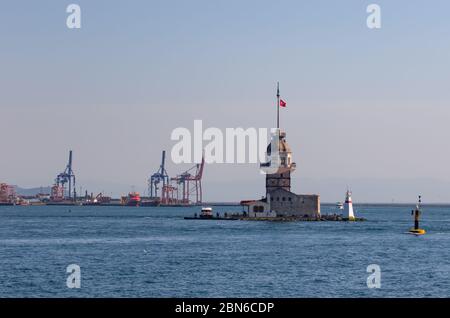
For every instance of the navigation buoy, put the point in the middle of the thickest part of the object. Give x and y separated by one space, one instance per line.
416 214
348 206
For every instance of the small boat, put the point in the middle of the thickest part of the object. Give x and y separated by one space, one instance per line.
206 213
340 206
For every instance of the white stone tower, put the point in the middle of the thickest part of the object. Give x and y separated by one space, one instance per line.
348 206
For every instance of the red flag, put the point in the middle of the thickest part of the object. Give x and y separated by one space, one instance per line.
282 103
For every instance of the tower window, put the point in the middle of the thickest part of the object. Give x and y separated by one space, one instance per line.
284 199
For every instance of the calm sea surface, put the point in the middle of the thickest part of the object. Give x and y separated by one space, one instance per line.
154 252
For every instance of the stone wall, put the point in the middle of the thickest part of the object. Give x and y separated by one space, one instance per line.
286 203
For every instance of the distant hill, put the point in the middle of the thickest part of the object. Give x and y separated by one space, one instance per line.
32 191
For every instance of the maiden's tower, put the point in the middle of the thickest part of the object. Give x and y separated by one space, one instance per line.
279 200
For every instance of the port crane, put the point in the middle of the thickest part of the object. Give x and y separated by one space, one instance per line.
67 177
158 177
190 183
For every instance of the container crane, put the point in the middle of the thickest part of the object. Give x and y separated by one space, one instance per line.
191 184
65 177
158 177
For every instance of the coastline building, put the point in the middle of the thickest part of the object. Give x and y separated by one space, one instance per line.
7 194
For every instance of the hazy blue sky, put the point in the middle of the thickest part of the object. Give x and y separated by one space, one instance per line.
366 108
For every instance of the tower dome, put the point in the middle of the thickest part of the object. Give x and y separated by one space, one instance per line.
285 153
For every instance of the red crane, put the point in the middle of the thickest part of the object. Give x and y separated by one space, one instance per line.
190 183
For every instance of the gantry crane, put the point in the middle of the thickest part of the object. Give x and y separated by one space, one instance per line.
190 183
158 177
66 177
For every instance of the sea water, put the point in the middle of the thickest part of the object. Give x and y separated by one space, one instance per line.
154 252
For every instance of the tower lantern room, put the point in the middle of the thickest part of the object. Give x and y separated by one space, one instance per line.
283 168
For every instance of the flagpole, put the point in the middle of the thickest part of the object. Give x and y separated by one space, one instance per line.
278 105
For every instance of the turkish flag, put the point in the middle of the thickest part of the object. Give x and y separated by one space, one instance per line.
282 103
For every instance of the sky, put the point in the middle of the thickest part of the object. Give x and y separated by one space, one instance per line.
367 108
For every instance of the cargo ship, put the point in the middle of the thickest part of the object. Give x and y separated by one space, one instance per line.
133 199
150 202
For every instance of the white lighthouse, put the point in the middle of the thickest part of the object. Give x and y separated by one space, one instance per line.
348 206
